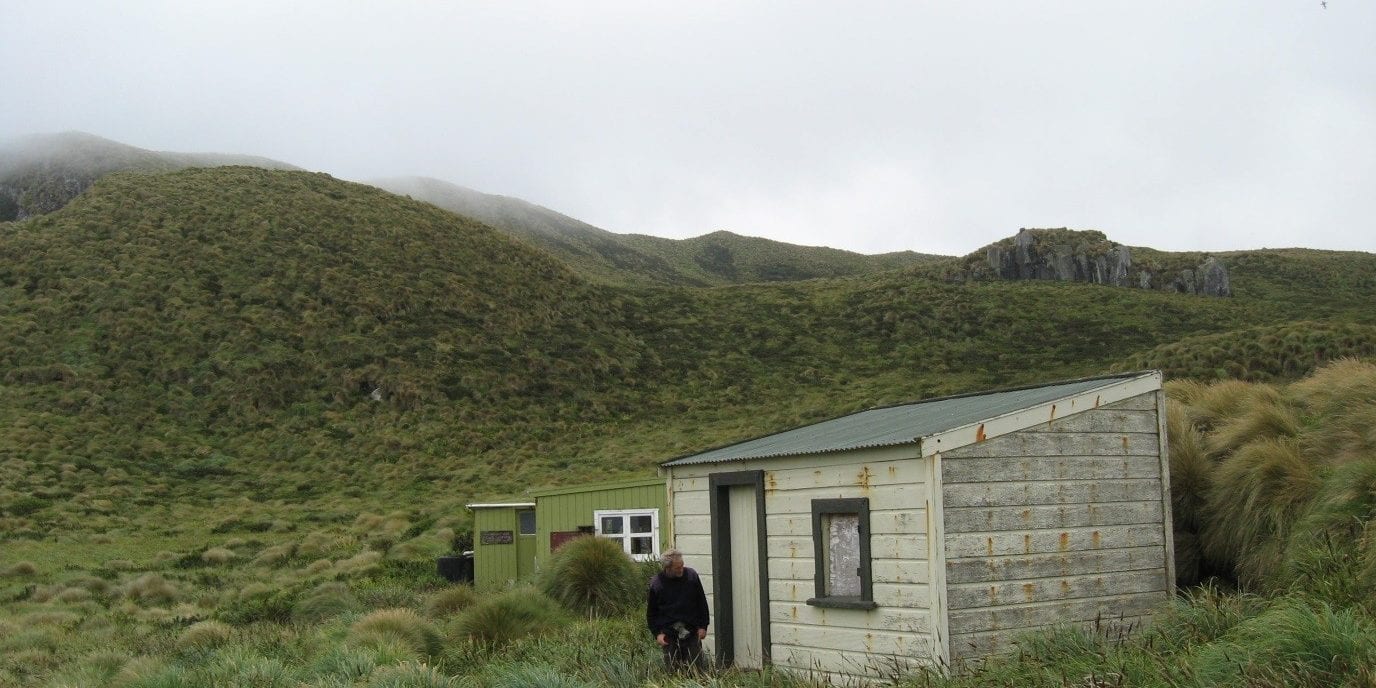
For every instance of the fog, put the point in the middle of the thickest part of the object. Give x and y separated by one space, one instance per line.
929 126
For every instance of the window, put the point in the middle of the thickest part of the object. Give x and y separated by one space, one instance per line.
527 521
636 529
841 552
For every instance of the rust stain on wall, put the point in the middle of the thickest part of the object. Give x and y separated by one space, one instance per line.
979 434
1065 542
1029 591
1065 587
1053 414
1027 544
770 484
989 546
1095 539
863 477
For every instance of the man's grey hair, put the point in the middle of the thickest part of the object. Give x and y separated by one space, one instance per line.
670 556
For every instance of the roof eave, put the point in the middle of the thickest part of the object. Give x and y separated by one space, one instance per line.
988 429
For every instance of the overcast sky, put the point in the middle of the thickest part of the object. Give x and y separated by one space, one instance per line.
929 126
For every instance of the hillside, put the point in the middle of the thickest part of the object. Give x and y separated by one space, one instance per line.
283 331
41 173
720 258
244 408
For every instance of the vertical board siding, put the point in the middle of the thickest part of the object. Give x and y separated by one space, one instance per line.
567 512
835 642
1058 523
494 565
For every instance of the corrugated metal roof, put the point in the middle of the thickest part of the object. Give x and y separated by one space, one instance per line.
896 425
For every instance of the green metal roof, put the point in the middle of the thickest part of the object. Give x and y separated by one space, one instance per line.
595 487
897 425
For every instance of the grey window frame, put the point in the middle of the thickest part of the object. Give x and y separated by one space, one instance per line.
820 509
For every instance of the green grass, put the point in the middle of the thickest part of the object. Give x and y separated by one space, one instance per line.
187 368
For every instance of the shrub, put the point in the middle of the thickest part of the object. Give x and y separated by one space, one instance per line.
593 576
450 601
516 613
418 633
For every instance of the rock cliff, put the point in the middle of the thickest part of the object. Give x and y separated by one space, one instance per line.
1088 256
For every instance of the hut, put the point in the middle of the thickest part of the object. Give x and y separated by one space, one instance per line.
932 533
512 539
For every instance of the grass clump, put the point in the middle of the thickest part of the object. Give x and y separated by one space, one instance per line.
204 636
411 674
151 589
1294 644
593 576
20 569
501 619
326 601
450 601
416 632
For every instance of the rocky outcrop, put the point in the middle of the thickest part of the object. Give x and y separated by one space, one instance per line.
1088 256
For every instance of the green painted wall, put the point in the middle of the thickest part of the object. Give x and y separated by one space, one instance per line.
556 510
496 565
568 508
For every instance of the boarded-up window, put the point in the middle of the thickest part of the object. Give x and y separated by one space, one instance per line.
841 540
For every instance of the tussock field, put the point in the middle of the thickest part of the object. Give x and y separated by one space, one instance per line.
241 411
1274 490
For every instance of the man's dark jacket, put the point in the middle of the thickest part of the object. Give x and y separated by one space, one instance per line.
676 599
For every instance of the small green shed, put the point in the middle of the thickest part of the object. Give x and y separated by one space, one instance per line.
512 539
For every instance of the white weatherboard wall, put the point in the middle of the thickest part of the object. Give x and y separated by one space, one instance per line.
840 642
1054 513
1062 522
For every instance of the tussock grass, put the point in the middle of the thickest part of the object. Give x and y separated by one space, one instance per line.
411 674
450 601
593 577
500 619
203 636
218 555
151 588
418 633
1258 493
326 601
20 569
1293 644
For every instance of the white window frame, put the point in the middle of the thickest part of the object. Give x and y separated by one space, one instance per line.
625 536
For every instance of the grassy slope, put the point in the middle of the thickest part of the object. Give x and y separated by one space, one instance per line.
187 361
720 258
41 173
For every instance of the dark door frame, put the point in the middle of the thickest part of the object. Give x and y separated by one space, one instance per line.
718 486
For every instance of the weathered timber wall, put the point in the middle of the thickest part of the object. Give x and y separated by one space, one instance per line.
1059 523
843 643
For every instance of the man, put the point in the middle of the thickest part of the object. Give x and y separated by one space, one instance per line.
676 611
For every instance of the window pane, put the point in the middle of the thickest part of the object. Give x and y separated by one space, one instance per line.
843 554
527 522
611 525
642 545
641 524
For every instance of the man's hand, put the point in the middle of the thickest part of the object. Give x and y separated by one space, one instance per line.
663 642
702 634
